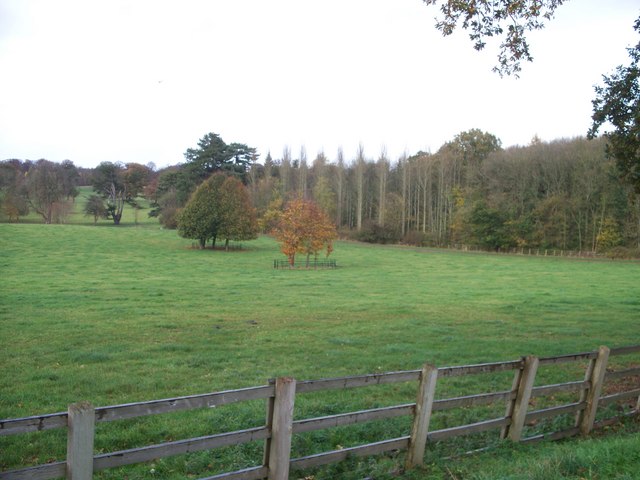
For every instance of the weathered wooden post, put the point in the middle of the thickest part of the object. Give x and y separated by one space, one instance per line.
269 424
598 371
504 431
281 429
80 434
422 416
585 391
517 408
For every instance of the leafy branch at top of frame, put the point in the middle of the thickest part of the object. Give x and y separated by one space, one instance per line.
509 19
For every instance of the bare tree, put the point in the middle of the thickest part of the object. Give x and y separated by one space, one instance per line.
359 172
44 188
303 173
285 172
340 186
383 173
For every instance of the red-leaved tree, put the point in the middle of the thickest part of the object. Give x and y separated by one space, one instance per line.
304 228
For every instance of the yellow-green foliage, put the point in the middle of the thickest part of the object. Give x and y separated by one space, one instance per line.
609 235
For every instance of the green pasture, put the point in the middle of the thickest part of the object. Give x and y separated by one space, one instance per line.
132 313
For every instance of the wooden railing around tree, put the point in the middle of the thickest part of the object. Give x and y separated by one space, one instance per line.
304 263
280 395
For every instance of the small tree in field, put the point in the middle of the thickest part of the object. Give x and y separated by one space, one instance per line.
14 206
119 184
95 208
304 228
200 218
219 208
43 188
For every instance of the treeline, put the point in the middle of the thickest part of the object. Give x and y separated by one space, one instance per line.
44 187
563 195
560 195
49 189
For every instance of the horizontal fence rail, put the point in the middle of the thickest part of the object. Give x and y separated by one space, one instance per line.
314 264
139 409
279 426
544 252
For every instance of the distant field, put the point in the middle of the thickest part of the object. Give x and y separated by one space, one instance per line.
77 216
131 313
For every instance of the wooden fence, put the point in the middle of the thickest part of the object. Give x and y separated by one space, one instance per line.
314 264
279 427
538 252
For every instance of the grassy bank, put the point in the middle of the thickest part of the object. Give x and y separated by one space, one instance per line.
122 314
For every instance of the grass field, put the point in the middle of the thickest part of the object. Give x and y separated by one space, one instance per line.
132 313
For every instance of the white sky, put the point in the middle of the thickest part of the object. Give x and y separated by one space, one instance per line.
142 81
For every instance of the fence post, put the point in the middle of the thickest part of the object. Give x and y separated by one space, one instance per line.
504 431
81 427
593 396
281 429
585 391
518 409
269 424
422 416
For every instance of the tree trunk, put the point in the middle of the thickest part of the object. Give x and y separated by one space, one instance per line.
638 220
403 163
359 173
340 188
382 187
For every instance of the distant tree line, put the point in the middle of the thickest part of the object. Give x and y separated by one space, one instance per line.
50 189
205 197
44 187
565 194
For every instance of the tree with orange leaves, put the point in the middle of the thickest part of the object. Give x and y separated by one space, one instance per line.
304 228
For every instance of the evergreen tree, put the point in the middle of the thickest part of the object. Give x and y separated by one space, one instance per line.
200 218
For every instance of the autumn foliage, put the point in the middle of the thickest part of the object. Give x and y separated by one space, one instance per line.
304 228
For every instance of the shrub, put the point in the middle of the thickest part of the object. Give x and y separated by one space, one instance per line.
620 253
169 217
374 233
418 239
609 237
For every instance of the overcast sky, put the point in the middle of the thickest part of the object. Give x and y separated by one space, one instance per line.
142 81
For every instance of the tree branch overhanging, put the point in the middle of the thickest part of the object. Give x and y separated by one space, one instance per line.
510 19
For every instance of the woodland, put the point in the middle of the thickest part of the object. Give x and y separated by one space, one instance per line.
566 194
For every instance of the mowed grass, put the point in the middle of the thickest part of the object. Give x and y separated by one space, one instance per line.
123 314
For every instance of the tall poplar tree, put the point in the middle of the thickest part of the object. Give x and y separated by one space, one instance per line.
359 173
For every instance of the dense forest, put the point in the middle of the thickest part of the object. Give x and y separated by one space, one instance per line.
565 194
